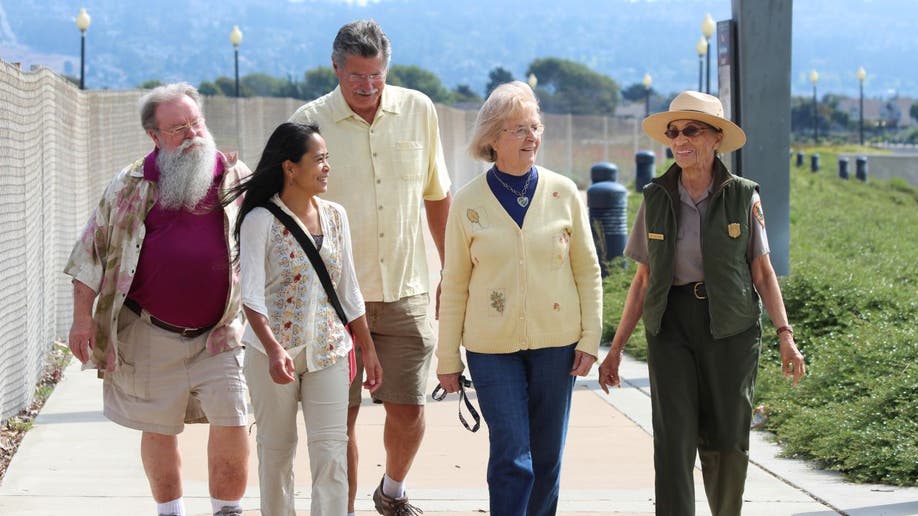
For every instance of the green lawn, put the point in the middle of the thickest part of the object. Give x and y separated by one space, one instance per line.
852 296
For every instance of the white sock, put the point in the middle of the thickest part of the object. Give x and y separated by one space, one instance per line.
393 488
351 514
176 507
216 504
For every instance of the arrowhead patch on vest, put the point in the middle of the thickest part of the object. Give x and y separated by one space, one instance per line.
734 230
758 213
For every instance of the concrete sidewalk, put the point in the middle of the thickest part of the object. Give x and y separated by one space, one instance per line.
76 462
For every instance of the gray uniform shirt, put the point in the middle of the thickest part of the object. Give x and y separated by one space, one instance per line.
688 267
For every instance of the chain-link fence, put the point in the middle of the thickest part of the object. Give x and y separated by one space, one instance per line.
60 146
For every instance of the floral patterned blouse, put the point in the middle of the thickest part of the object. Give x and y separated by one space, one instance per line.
278 281
106 256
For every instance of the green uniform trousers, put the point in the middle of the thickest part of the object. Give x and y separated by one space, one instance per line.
701 393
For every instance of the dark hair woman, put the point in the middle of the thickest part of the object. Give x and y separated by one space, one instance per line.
297 346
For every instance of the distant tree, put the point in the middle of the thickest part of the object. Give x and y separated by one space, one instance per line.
318 82
802 116
496 77
291 88
261 85
913 111
150 84
636 92
463 94
210 89
570 87
227 86
838 119
417 78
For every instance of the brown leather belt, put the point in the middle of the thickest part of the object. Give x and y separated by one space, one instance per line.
189 333
697 289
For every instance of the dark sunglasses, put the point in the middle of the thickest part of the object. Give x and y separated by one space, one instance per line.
690 131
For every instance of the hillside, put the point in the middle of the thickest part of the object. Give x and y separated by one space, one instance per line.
130 42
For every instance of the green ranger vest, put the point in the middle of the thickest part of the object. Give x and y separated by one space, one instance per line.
733 303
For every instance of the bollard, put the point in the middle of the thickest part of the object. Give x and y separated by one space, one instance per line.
861 168
843 168
607 201
799 160
669 153
603 171
814 162
643 175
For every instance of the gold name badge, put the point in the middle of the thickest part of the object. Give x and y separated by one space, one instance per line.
733 230
655 236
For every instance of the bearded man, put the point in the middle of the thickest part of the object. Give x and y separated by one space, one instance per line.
165 334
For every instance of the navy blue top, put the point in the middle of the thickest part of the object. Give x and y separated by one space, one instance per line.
507 198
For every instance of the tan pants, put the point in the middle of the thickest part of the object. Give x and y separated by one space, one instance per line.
323 396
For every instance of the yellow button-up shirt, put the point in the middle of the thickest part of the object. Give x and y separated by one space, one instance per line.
380 173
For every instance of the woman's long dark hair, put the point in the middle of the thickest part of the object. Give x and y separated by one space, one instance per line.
288 141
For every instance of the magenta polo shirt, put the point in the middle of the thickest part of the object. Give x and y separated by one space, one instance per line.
183 275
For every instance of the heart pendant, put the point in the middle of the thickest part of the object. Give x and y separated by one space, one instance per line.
523 201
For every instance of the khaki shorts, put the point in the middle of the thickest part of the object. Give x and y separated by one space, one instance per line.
404 344
165 380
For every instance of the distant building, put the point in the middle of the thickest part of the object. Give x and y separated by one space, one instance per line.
893 112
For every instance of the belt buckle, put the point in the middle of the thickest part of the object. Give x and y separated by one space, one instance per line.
699 291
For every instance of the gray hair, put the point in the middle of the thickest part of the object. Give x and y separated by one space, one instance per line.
165 93
364 38
506 101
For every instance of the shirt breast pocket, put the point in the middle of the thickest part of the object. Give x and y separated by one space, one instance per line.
408 160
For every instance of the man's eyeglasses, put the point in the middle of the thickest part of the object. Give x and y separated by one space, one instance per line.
361 77
521 132
196 125
690 131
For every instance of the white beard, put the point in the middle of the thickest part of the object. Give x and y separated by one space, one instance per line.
186 177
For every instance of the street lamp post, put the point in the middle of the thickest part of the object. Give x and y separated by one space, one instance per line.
236 40
647 82
702 48
532 81
82 23
861 75
814 78
707 30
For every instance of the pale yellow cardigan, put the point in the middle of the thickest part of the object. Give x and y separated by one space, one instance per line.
507 288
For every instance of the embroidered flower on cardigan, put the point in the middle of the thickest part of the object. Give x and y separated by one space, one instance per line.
498 300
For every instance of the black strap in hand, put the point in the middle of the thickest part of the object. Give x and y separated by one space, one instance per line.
439 394
312 253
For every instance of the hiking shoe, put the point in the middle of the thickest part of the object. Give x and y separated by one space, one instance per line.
229 511
388 506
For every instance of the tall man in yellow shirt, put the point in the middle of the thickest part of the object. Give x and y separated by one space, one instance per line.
384 146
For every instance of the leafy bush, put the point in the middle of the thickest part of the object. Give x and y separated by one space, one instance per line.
852 296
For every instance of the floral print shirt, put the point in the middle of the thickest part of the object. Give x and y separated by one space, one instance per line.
106 255
279 282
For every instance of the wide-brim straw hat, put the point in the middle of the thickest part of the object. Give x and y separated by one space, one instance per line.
694 105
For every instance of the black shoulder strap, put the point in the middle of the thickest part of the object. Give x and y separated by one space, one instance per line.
312 253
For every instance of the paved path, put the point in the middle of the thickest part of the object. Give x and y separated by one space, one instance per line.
76 462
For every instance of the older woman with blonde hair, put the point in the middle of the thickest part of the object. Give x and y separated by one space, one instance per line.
702 253
522 293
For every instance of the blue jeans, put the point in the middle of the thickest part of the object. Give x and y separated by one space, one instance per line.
525 398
